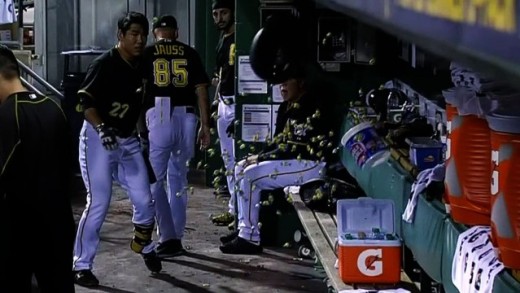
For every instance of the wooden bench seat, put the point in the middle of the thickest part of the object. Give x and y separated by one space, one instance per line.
322 232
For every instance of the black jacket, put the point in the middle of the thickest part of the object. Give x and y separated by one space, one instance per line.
301 132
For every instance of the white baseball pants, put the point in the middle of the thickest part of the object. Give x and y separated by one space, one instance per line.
98 167
267 175
172 145
226 116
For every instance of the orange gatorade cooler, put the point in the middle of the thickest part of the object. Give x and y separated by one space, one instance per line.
451 112
468 169
369 250
505 186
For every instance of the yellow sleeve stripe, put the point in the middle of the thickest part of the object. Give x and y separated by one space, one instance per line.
9 157
86 93
44 99
18 142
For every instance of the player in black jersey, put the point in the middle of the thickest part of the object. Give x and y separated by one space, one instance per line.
35 175
176 82
224 18
112 98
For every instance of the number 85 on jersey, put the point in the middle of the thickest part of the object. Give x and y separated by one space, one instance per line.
170 72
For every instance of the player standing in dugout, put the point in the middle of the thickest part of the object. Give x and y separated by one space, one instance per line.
112 99
176 82
224 18
35 175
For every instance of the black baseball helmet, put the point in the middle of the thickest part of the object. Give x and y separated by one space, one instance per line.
378 99
276 50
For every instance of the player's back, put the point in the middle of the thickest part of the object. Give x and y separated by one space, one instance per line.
42 157
173 69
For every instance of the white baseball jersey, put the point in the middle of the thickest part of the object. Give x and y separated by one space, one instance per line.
7 14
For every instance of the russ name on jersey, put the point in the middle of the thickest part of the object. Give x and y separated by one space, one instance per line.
167 49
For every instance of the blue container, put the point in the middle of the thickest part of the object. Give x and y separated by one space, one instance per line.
363 143
425 153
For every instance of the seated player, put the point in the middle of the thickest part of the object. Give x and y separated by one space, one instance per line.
296 156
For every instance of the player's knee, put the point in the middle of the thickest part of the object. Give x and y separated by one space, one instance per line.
142 237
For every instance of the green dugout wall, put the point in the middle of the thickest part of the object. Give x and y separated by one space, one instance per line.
338 87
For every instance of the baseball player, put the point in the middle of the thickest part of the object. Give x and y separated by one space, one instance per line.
301 145
35 171
112 101
223 16
176 82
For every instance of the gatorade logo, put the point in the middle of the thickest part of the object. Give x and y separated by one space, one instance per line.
370 262
494 172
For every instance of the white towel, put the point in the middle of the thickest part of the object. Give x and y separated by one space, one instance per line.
475 264
424 179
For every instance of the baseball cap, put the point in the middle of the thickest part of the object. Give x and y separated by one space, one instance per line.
229 4
167 21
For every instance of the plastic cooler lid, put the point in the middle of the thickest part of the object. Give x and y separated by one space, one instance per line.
353 131
505 120
363 214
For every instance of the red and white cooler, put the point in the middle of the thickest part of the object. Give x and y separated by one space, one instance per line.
369 249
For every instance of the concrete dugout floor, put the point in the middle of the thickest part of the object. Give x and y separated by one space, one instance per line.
205 268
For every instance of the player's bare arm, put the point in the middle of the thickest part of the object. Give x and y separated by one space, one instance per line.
202 99
92 116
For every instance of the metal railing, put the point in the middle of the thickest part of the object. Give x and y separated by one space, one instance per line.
26 69
30 86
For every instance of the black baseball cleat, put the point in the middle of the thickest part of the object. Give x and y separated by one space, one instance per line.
170 248
152 262
229 237
241 246
85 278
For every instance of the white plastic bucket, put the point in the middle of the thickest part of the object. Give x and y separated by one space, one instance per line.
363 143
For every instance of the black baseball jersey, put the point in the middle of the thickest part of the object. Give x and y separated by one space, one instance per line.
226 64
35 169
301 132
173 69
115 86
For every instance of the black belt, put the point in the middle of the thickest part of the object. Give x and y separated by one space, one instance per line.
189 109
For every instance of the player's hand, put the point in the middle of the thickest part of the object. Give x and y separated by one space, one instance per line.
107 136
204 137
253 159
215 81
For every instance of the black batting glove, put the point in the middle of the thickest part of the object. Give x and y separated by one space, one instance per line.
230 130
107 136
